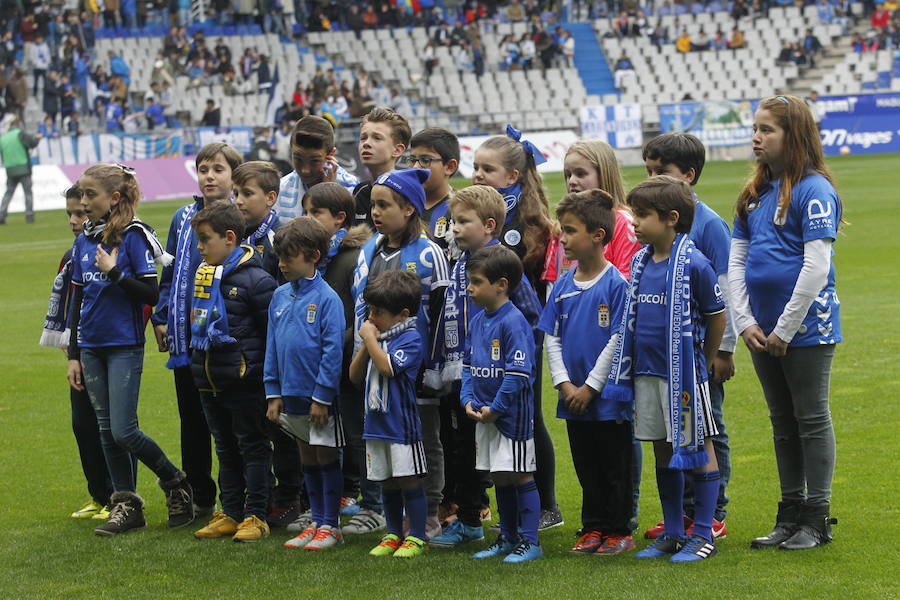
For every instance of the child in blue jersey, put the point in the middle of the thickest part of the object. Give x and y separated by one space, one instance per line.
782 286
388 362
228 338
313 157
398 202
303 370
255 191
673 298
115 276
682 156
586 304
172 323
478 212
497 379
437 150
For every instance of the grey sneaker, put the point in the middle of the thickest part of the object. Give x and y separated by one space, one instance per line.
300 523
365 521
550 519
326 537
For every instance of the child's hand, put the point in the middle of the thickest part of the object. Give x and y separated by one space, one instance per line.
162 333
106 260
775 345
318 414
581 399
368 329
472 413
486 415
329 171
566 389
754 338
723 367
276 406
74 375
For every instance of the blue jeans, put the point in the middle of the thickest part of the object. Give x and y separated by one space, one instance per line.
112 376
236 419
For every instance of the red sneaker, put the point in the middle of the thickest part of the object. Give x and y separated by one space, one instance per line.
616 544
655 532
589 543
718 529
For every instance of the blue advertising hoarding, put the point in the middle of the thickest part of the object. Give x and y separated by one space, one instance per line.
863 124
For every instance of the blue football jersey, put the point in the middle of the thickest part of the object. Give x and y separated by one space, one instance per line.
710 234
398 421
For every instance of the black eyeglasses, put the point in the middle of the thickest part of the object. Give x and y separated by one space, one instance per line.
423 161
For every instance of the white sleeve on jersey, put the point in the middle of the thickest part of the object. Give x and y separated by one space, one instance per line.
558 372
812 278
596 379
738 296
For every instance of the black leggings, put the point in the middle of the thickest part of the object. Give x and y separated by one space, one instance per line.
545 476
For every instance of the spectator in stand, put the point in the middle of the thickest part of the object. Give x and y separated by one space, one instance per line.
515 12
263 74
737 39
355 21
701 43
115 116
118 67
39 57
812 101
812 46
299 98
17 92
67 96
798 55
28 29
683 43
545 47
129 11
212 116
477 58
370 17
739 10
7 50
720 42
825 11
362 85
72 125
458 33
622 69
462 58
221 51
527 51
47 129
196 73
442 35
881 17
567 47
429 59
185 19
154 113
659 35
52 93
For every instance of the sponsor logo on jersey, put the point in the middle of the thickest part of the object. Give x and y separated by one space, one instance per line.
311 313
652 299
603 315
495 349
487 372
95 276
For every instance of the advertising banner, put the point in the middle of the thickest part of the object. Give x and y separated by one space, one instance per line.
620 125
863 124
716 122
552 144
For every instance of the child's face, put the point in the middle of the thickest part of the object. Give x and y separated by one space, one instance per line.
484 293
469 231
95 200
383 319
331 222
76 215
489 170
580 173
310 164
768 139
214 177
440 171
389 214
377 147
650 227
656 167
298 267
213 247
575 238
253 202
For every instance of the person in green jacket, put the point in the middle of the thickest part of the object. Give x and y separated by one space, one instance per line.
14 147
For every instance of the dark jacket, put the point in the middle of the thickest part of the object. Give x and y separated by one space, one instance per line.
247 290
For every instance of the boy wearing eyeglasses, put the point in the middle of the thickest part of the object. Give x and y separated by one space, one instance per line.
437 150
383 138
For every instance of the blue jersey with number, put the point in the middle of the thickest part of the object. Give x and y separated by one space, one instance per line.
584 318
398 421
108 316
776 257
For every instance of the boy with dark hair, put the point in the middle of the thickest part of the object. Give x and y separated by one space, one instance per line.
682 156
437 150
256 185
302 371
673 296
228 326
388 361
171 320
497 392
586 304
383 137
313 158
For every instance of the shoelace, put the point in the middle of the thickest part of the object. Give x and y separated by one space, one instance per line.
119 513
590 537
407 543
521 549
177 499
389 541
321 534
693 545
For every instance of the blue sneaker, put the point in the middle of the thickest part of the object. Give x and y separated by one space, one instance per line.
500 547
696 548
457 533
349 506
664 545
523 552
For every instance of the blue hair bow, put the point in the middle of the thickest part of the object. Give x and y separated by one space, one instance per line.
530 148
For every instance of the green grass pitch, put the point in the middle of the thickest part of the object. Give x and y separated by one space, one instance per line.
45 554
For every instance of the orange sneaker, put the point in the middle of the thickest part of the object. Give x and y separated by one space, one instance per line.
589 543
615 544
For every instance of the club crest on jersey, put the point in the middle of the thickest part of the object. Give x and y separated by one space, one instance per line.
311 313
411 267
440 227
232 293
495 349
603 315
260 248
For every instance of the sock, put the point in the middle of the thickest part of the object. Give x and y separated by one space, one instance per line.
393 510
332 486
529 510
312 475
670 483
416 509
706 496
508 507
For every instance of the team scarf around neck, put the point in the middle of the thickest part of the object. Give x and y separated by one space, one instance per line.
262 230
94 232
687 384
55 332
334 246
377 388
209 319
178 321
511 195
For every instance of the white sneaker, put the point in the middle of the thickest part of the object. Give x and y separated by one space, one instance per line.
301 523
303 539
326 537
365 521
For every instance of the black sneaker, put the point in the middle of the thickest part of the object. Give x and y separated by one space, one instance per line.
127 514
550 519
179 500
282 516
203 511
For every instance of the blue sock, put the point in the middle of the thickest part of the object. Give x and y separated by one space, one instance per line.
670 483
416 510
312 475
706 496
529 510
508 507
393 510
332 486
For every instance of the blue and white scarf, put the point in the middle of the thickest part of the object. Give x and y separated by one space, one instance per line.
377 385
55 332
209 319
334 246
262 230
511 195
687 377
178 321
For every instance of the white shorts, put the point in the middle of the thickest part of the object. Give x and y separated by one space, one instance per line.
497 453
388 459
330 435
652 410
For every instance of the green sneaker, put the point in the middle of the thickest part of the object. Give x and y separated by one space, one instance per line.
87 511
411 548
388 545
102 514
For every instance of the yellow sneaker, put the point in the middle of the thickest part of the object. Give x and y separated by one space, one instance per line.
251 529
411 548
387 546
102 514
220 525
87 511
